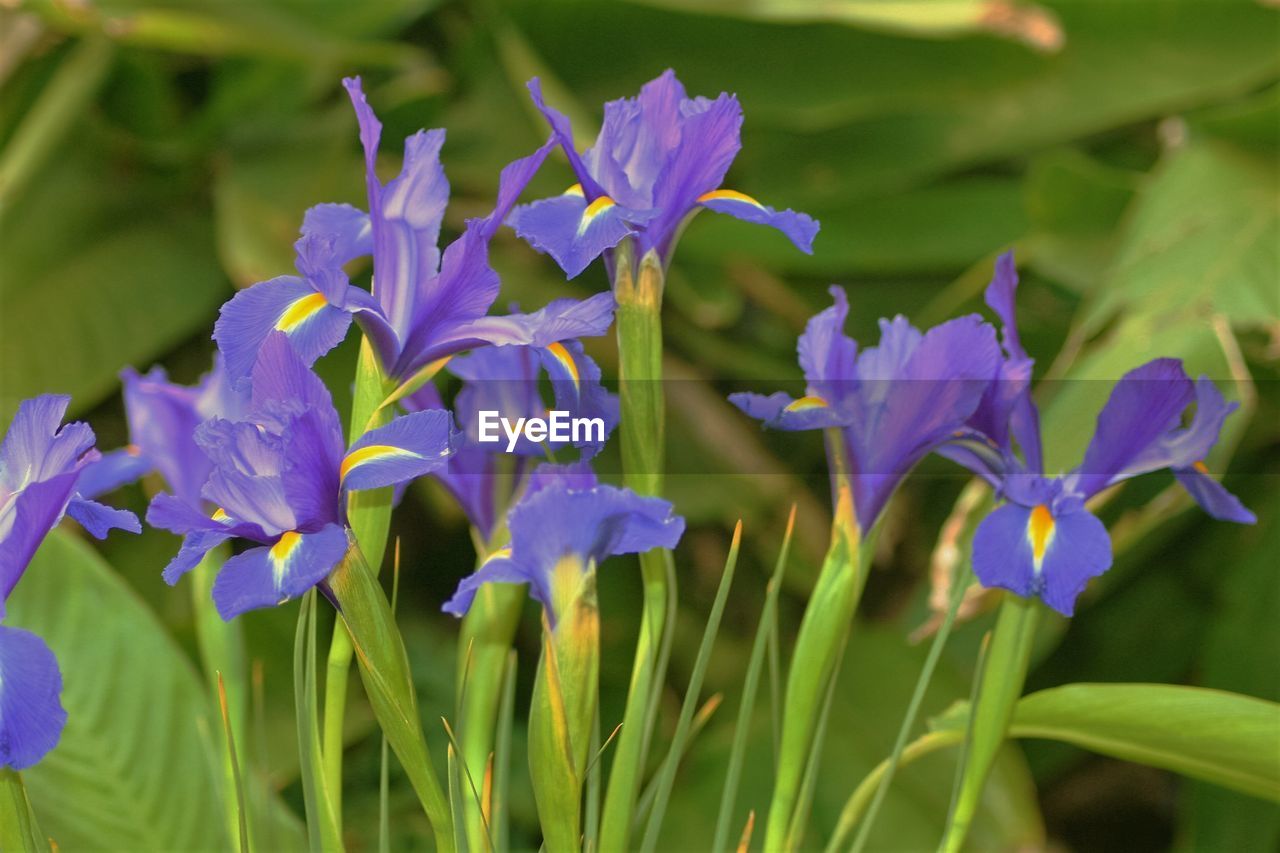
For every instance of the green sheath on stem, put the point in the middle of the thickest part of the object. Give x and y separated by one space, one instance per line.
639 323
18 828
384 667
369 515
1000 678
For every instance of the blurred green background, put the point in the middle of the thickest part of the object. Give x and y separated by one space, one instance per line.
155 156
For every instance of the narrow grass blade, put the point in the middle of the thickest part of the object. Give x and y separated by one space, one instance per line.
751 684
384 758
700 720
591 823
502 756
322 828
744 841
243 818
667 775
464 774
455 801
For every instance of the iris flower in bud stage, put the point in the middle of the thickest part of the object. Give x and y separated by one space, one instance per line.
505 380
893 403
41 465
564 525
659 159
1042 541
279 477
425 304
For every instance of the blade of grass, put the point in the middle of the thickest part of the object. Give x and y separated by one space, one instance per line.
456 800
463 771
744 841
667 774
971 507
804 800
591 825
322 830
384 773
751 684
650 793
235 767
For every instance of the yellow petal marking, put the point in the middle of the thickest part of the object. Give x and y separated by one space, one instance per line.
1201 467
372 453
289 540
563 356
593 210
729 195
576 189
220 514
1040 533
805 403
299 311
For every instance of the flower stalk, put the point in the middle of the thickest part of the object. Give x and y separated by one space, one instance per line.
1000 678
824 631
369 514
639 321
18 827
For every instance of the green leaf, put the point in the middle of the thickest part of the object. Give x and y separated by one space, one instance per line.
140 733
122 299
1225 738
1202 236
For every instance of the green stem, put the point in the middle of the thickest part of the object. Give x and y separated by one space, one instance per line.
824 631
999 682
369 514
18 827
639 322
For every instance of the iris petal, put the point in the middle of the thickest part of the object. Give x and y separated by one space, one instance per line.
265 577
31 712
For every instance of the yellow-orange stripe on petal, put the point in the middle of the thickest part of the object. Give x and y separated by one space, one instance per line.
595 209
1201 467
373 453
729 195
576 189
563 356
289 540
1040 528
806 403
299 311
220 515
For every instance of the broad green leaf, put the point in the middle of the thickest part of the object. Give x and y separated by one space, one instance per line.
122 299
138 765
1202 236
1225 738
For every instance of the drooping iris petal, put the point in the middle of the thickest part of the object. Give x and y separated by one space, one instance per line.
1030 551
572 230
410 446
575 384
200 533
780 410
25 519
286 304
800 228
265 577
1212 496
497 569
1144 406
113 470
99 519
31 712
38 445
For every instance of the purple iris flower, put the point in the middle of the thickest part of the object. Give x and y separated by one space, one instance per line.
41 465
564 525
279 478
506 380
425 304
659 158
163 418
893 403
1043 541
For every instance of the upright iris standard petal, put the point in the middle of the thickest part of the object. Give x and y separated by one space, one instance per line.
265 577
25 519
31 712
568 523
409 447
347 227
286 304
1144 406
